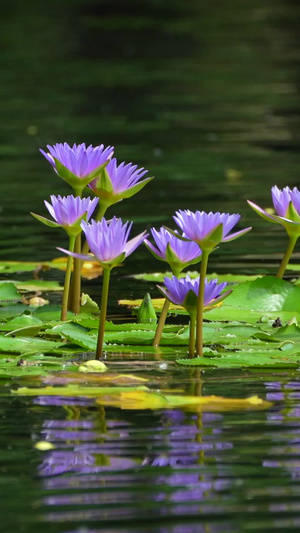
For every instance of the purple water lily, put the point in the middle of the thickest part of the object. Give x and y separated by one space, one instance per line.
79 159
184 291
108 241
77 164
179 254
208 229
118 182
287 206
67 212
109 244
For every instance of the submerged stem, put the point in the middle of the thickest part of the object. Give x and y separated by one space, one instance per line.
200 304
287 256
161 323
64 306
104 300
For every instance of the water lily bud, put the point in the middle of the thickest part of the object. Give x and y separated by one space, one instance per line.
146 312
92 366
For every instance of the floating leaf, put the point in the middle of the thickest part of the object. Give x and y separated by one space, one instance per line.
75 334
28 366
27 331
27 344
244 359
19 322
8 292
146 399
38 285
156 302
72 390
264 295
90 269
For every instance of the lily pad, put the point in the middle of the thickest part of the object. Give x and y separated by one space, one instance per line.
241 359
8 292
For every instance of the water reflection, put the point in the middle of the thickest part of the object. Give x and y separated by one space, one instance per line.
103 463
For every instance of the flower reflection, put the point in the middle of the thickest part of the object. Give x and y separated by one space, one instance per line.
102 463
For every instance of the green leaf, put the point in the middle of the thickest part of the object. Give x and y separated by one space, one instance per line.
27 344
75 334
35 365
10 267
242 359
38 285
88 305
49 313
264 295
18 322
10 311
8 292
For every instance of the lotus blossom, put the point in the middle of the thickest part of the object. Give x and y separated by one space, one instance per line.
287 206
208 229
118 181
78 164
108 241
67 212
179 254
184 291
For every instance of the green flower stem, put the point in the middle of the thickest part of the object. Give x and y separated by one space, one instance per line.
75 287
104 299
76 279
287 256
99 215
64 306
192 334
200 304
161 323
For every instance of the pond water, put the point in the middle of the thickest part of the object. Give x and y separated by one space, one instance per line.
207 98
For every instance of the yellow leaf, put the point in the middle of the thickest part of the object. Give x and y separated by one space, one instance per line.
158 304
141 399
136 400
90 269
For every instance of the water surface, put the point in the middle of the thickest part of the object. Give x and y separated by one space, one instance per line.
206 97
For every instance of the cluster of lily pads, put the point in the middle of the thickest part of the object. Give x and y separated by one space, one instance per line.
95 170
